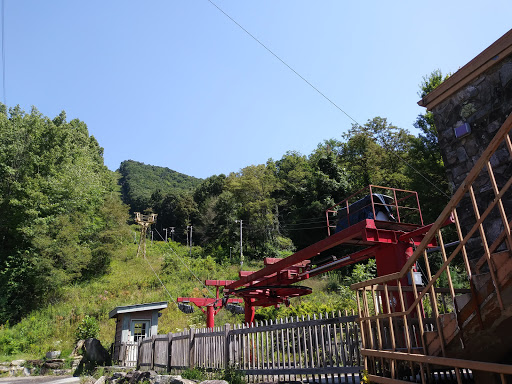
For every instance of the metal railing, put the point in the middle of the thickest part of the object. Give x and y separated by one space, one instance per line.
403 206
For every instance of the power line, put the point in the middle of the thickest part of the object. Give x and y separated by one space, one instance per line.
161 282
182 262
282 61
3 51
312 86
303 229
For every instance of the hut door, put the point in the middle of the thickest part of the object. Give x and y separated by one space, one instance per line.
140 329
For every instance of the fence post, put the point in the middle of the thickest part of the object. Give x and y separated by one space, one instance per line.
137 366
226 345
191 349
169 351
153 342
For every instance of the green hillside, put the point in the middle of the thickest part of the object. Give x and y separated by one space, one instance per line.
139 181
53 327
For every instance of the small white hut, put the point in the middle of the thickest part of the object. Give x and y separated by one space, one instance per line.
134 323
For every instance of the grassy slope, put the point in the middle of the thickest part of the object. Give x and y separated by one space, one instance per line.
131 281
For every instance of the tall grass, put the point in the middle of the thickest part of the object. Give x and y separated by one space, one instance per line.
130 280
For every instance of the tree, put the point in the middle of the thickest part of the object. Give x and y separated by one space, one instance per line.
376 153
428 175
55 197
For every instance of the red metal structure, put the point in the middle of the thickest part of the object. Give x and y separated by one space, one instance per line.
211 306
381 222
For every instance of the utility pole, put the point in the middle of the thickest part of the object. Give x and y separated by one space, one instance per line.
190 243
241 252
172 233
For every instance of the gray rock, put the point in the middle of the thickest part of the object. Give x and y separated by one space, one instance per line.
179 380
165 379
15 363
506 74
101 380
214 382
54 364
118 375
53 355
183 381
95 352
461 154
62 372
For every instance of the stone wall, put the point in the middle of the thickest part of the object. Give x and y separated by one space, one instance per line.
484 104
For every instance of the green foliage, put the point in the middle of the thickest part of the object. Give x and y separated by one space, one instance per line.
431 82
87 328
425 157
196 373
140 181
374 154
365 376
61 210
232 375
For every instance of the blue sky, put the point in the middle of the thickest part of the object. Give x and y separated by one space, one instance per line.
177 84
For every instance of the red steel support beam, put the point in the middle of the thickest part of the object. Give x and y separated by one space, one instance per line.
304 254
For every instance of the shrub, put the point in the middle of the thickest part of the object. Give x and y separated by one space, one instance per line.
87 328
196 373
233 376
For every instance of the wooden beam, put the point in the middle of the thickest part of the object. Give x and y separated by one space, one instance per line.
444 361
489 57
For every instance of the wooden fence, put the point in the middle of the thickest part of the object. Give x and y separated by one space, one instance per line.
323 349
125 353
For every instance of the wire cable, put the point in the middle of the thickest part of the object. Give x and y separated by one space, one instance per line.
182 262
282 61
3 51
315 88
161 282
415 170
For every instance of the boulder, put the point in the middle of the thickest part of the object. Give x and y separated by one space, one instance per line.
96 353
134 377
54 364
78 347
53 355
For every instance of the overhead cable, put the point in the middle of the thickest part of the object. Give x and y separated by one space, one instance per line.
182 262
315 88
282 61
161 282
3 50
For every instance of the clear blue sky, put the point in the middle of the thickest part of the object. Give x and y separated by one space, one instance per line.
177 84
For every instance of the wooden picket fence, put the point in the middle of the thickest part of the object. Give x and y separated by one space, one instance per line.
323 349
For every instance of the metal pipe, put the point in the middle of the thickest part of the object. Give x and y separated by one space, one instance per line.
445 246
325 266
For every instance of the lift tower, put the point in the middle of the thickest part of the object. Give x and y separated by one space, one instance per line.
145 222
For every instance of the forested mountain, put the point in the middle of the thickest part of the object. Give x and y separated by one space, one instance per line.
61 212
139 181
282 203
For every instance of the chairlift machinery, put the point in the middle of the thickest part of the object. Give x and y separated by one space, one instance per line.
210 306
381 222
